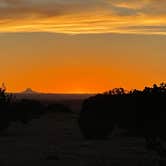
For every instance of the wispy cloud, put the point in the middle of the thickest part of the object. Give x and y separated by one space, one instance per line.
77 16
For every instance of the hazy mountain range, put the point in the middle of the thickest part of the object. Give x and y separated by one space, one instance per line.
32 94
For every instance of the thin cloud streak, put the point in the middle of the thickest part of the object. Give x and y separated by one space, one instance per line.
78 17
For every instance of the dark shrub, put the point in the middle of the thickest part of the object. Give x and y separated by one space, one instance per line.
5 102
23 110
26 110
142 113
96 120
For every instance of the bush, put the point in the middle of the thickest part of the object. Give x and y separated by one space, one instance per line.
26 110
141 112
96 120
5 102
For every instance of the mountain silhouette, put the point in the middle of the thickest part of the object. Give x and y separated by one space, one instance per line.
29 91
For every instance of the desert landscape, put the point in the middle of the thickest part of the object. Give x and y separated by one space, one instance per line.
55 139
82 82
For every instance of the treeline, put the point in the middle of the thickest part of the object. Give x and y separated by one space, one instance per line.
142 113
24 110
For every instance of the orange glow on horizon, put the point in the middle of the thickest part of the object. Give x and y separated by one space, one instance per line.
80 80
80 46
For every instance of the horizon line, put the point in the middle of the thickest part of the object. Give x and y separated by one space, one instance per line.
58 93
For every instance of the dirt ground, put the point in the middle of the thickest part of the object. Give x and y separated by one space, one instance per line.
55 139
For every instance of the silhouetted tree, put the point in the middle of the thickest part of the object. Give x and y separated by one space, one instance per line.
5 101
142 113
21 111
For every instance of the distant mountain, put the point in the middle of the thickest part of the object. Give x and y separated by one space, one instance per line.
50 97
29 91
34 95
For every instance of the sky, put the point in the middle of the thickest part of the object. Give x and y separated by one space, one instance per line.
91 46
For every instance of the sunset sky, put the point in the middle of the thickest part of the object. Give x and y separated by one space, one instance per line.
76 46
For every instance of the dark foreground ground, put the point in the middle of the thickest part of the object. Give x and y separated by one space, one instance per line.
55 139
